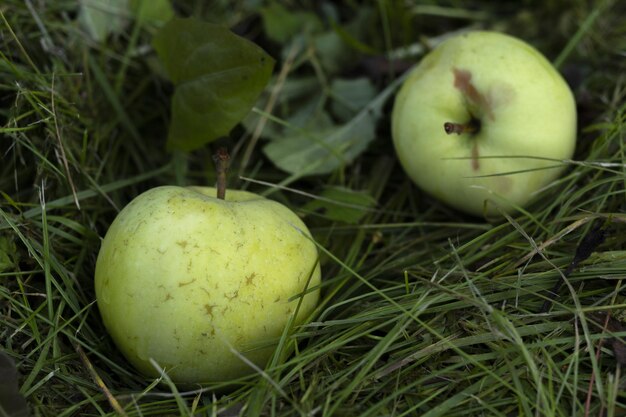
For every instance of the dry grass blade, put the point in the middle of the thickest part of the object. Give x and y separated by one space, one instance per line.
61 147
96 378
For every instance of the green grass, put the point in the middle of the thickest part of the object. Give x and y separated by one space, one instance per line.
425 311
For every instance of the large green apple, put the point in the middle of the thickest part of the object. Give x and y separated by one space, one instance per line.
484 121
188 279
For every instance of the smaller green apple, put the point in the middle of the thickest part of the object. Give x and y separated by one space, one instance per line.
484 117
195 282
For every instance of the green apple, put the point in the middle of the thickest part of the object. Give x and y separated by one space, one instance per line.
196 283
483 123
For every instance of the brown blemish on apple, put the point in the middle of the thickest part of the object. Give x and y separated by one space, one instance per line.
207 334
250 279
182 284
474 158
138 225
463 82
503 184
182 243
476 100
168 297
480 105
208 308
233 295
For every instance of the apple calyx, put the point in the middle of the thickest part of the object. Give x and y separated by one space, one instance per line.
221 159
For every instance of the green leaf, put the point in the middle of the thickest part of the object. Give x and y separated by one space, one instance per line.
350 39
342 204
218 77
338 49
293 93
100 18
7 253
280 24
350 96
321 151
158 11
334 54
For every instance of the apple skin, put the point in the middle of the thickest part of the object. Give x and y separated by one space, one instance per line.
523 106
183 277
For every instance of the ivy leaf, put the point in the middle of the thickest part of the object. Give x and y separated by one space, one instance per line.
159 11
281 24
350 96
218 77
295 90
100 18
342 204
321 151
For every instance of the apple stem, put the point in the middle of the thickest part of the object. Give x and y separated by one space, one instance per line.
460 128
221 159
